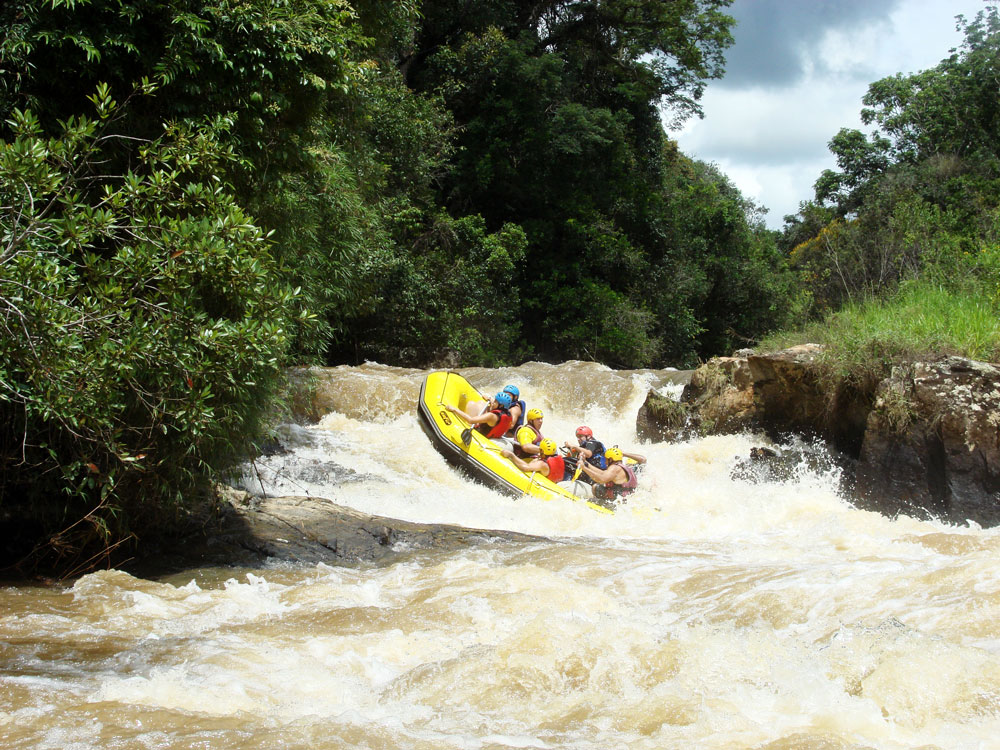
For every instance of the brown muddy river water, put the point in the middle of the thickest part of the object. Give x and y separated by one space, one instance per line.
708 612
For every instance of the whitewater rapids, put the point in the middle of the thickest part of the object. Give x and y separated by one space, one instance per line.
708 612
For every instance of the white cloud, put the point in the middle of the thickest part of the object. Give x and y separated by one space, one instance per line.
769 127
771 141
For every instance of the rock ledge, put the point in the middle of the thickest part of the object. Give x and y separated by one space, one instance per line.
245 530
924 439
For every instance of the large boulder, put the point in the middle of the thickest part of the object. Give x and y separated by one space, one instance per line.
244 530
778 392
786 390
793 392
718 398
932 440
925 439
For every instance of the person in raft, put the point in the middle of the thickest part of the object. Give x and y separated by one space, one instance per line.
495 419
530 437
517 414
589 448
616 481
517 409
548 463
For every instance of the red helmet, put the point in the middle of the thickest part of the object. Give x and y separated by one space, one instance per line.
584 431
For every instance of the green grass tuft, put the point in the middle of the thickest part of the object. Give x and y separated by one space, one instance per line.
921 320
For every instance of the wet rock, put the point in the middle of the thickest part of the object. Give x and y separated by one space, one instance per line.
716 398
297 436
785 463
661 419
306 529
721 394
926 439
250 531
328 472
933 440
290 471
763 465
785 389
271 447
780 393
793 393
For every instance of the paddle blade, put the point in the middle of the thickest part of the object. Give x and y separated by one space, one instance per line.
466 436
579 468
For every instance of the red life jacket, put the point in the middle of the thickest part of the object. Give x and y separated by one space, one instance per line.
628 488
500 428
557 468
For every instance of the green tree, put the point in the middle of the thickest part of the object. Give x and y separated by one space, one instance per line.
916 197
275 68
722 272
559 110
445 301
141 330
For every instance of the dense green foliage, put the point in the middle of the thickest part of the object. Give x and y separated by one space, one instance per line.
140 327
329 181
634 256
919 197
148 311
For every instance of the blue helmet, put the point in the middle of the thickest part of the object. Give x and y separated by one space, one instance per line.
504 399
513 391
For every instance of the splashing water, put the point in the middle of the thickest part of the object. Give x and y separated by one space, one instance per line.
708 612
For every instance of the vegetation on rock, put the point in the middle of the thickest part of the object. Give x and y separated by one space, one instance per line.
898 256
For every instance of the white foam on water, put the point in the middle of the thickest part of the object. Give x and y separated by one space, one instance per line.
709 611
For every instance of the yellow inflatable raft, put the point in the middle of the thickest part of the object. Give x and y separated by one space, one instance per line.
470 450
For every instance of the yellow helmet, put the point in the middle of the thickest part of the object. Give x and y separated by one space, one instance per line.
526 435
534 414
614 453
548 447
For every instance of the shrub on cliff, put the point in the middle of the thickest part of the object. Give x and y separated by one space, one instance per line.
917 197
921 320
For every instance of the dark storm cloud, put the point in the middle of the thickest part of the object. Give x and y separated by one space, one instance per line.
772 37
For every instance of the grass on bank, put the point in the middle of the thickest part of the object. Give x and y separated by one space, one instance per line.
921 320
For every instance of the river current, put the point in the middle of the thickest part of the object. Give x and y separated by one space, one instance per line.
708 612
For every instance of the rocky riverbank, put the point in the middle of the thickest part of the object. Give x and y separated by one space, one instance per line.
924 439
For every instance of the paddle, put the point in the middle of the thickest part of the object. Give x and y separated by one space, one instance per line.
579 461
467 432
445 387
531 481
486 444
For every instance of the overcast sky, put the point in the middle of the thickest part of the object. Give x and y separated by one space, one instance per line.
795 75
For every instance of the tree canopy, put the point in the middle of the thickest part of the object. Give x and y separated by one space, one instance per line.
559 110
196 193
